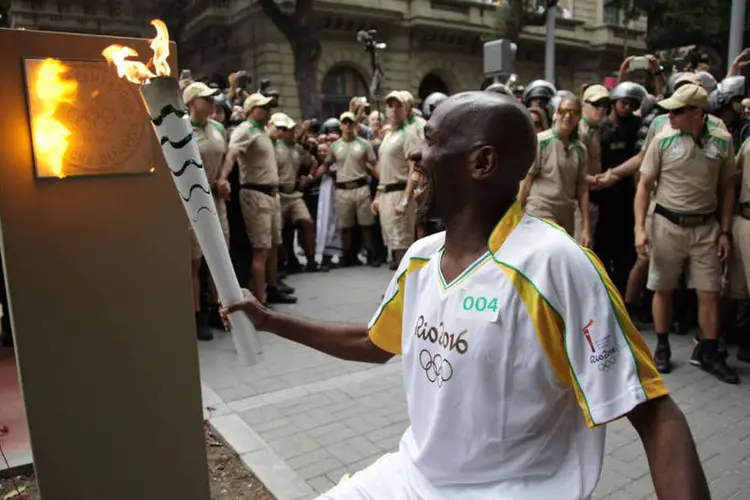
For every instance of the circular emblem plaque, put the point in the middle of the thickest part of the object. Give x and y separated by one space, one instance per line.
106 122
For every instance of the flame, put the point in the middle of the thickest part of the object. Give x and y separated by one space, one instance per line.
50 135
160 46
135 71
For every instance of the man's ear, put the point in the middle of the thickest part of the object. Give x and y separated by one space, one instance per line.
483 162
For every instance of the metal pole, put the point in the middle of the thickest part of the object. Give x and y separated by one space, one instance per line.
549 52
737 30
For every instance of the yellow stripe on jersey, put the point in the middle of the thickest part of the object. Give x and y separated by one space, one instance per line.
651 381
507 224
550 330
385 330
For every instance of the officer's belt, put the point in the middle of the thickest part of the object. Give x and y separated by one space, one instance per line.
684 220
269 189
389 188
355 184
289 189
745 210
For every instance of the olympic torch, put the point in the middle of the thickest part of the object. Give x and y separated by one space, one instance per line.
169 116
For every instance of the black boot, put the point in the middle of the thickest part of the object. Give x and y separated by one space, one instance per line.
283 287
201 323
274 296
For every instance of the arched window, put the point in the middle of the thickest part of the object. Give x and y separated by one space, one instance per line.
432 83
340 84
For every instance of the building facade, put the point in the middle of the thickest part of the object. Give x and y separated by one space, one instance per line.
432 45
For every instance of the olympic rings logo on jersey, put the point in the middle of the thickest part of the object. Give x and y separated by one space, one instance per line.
607 365
438 369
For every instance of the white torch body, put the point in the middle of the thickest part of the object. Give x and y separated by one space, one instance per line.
169 116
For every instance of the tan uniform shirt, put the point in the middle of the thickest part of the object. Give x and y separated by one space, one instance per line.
351 158
558 171
689 175
591 138
394 153
661 124
212 144
743 162
418 123
257 160
288 160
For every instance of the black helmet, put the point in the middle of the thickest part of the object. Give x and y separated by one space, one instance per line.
629 90
499 88
431 102
331 125
538 89
730 88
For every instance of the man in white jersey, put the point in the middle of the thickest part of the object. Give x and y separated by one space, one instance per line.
516 346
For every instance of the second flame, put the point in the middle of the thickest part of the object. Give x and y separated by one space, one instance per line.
135 71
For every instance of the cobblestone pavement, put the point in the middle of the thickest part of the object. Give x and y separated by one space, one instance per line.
301 420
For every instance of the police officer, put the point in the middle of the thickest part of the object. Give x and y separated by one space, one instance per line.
557 179
692 169
394 199
739 260
355 161
613 236
290 158
252 149
726 103
595 103
538 94
211 138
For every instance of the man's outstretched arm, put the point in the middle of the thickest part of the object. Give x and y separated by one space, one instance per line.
342 340
675 467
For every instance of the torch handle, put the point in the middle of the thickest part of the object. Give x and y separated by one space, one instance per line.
183 158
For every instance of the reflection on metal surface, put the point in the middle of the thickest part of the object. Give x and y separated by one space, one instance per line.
85 120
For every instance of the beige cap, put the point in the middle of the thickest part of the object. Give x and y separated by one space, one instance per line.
693 78
256 100
595 93
347 116
687 95
282 120
409 99
196 90
398 95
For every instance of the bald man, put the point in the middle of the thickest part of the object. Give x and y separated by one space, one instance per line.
516 347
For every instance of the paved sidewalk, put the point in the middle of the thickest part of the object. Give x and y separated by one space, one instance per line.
300 419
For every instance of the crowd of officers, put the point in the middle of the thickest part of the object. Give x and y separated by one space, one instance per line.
652 182
279 167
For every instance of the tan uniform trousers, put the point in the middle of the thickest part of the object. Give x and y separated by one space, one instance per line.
221 210
594 218
675 248
262 215
398 232
354 207
293 209
739 259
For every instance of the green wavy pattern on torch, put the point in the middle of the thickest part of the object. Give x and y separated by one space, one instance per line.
179 144
166 111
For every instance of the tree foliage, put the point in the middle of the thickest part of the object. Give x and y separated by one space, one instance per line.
513 15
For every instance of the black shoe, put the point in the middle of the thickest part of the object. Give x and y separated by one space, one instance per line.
275 296
214 320
372 261
295 268
743 354
697 355
393 266
312 266
662 357
717 366
284 288
201 324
